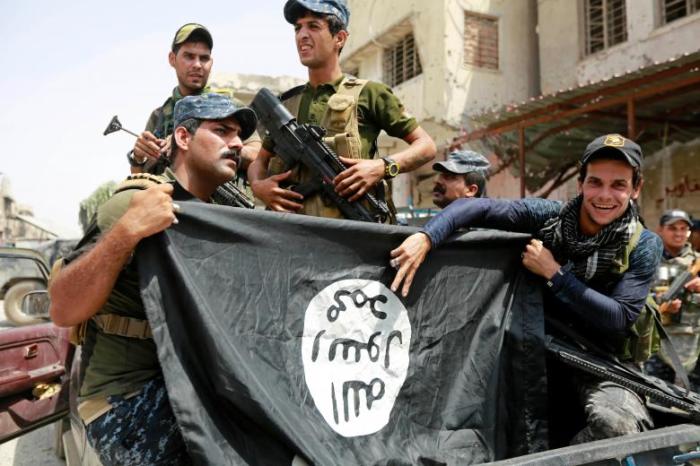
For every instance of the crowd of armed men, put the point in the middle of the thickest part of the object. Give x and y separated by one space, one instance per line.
598 261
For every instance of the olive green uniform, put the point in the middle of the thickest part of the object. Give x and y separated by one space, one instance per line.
114 364
353 112
684 327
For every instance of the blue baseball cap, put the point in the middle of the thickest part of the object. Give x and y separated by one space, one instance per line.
461 162
215 107
337 8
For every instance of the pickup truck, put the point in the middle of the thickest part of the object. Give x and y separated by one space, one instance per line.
38 386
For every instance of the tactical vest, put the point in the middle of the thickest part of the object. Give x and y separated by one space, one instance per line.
683 327
341 123
644 339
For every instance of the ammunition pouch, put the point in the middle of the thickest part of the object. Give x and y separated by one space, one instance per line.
112 324
340 121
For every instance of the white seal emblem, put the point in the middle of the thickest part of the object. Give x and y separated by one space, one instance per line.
355 351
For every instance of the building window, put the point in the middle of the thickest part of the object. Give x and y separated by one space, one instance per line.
672 10
401 61
480 41
606 24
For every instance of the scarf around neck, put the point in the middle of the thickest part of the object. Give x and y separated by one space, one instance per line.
588 257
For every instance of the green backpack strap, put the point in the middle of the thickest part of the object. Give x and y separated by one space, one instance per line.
667 345
648 333
624 261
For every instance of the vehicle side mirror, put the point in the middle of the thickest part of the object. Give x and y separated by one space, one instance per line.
36 304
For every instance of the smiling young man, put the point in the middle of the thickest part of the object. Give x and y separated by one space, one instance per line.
353 112
122 396
594 255
190 57
682 317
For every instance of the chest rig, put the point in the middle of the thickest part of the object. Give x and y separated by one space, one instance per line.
341 122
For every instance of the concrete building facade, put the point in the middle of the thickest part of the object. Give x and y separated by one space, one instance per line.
17 222
482 62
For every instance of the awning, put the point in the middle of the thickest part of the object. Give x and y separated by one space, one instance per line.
654 105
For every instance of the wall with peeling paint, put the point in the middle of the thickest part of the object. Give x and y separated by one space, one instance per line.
447 91
561 40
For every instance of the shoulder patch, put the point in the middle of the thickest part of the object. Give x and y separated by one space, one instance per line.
292 92
140 181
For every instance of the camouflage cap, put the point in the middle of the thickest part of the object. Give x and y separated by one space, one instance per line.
337 8
185 33
672 216
214 107
626 147
461 162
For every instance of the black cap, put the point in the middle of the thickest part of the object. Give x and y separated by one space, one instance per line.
626 147
672 216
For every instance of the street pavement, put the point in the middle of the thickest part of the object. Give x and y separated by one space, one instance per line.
33 448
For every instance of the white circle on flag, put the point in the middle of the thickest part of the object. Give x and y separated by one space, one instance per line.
355 351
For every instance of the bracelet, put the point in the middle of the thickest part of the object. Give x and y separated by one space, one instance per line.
132 159
549 282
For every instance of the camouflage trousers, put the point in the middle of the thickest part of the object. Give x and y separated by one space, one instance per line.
140 430
611 410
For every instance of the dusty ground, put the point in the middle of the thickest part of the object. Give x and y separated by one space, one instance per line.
31 449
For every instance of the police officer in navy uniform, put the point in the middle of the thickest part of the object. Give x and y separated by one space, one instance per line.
122 396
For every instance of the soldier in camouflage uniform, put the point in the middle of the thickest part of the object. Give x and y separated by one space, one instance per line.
190 57
682 321
122 397
353 112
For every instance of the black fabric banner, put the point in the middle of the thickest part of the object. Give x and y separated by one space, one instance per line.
280 340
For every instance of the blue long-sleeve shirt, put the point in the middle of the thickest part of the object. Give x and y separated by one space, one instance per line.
612 310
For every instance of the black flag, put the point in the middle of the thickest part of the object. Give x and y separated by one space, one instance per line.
279 338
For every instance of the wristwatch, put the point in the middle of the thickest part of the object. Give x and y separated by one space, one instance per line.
391 168
132 160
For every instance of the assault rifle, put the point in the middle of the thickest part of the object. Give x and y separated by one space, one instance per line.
676 288
226 194
304 144
658 391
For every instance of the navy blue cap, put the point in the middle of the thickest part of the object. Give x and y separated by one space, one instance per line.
461 162
672 216
337 8
215 107
626 147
